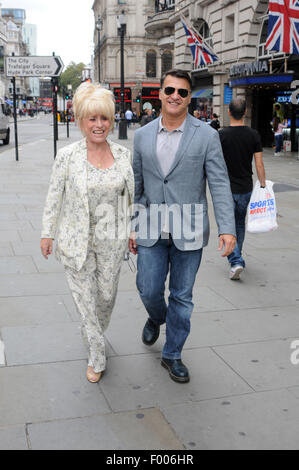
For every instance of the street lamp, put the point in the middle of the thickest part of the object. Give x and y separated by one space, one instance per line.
99 27
121 26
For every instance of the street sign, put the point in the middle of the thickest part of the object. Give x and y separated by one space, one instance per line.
33 66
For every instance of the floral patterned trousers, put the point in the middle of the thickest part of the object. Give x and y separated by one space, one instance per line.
94 290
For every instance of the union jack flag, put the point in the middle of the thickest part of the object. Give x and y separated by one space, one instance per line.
283 26
202 54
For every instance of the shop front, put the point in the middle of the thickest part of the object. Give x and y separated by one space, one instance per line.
269 90
150 97
202 95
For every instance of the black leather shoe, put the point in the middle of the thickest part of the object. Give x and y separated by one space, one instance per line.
177 370
150 332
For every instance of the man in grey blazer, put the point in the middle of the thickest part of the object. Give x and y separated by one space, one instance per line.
174 156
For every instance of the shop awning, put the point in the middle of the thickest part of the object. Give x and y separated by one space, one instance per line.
9 102
202 93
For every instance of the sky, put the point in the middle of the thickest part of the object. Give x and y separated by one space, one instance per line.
63 26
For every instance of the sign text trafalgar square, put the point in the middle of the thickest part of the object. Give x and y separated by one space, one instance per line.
33 66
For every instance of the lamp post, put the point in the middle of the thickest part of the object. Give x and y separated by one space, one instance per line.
122 128
99 27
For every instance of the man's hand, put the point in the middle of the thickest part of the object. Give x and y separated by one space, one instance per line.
132 243
46 246
228 243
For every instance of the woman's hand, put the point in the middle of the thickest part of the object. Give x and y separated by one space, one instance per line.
132 243
46 246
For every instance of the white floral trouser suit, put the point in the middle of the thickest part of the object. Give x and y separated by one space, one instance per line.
90 242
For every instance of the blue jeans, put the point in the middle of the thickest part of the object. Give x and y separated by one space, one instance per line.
153 266
278 142
241 203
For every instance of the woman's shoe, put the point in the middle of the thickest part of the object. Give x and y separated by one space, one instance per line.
93 377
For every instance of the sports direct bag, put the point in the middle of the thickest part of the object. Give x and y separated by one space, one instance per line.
262 209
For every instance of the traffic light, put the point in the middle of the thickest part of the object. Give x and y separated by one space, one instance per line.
68 96
55 85
138 97
55 88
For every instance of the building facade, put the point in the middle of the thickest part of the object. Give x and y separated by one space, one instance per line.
15 20
30 39
3 43
237 32
143 51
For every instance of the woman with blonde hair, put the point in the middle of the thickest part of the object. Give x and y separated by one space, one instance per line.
91 188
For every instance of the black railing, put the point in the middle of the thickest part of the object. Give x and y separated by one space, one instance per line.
162 5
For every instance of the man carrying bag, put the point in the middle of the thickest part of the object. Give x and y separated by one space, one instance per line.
240 144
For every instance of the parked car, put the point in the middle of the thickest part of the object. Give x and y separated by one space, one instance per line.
4 125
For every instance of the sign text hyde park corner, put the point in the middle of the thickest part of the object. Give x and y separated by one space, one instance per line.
31 66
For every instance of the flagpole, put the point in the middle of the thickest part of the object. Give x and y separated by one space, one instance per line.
207 46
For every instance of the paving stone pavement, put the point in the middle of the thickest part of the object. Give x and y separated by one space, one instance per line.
244 389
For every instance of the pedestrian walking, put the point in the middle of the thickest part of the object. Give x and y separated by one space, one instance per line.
117 119
278 127
174 155
129 117
215 123
90 177
147 117
240 144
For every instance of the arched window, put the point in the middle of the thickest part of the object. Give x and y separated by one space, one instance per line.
204 31
262 51
166 61
151 64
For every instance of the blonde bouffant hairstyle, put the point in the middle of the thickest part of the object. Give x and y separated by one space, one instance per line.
92 100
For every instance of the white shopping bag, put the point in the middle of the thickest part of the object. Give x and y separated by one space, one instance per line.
261 215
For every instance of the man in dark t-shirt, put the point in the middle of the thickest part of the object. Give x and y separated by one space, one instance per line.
240 144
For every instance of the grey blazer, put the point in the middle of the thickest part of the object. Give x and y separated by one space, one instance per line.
183 190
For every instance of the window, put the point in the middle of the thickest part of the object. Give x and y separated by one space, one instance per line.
229 28
162 5
204 31
1 59
166 61
262 51
151 64
12 35
15 13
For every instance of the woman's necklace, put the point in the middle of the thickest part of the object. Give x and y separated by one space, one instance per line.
99 164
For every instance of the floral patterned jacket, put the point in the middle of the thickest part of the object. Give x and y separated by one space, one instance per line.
66 207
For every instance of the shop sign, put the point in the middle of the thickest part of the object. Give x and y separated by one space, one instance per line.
249 68
150 93
228 94
127 95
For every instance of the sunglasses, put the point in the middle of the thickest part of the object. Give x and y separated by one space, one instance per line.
169 90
